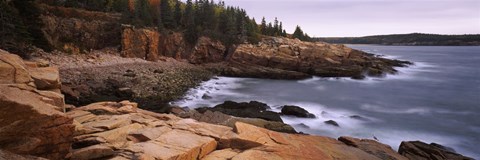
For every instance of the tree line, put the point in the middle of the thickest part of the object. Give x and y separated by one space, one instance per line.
20 25
196 18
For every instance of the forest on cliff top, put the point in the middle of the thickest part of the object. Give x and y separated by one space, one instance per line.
20 27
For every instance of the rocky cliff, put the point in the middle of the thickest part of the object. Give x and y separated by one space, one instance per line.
150 45
273 57
79 31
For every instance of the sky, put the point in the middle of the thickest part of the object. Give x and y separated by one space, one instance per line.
354 18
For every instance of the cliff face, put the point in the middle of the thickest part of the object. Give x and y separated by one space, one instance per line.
150 45
76 30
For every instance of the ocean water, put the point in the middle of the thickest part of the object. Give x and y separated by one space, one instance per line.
435 100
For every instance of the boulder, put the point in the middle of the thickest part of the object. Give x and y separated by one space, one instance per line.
13 70
46 78
32 121
251 109
296 111
422 151
332 122
31 124
373 147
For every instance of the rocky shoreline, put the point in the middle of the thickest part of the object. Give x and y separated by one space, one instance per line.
36 126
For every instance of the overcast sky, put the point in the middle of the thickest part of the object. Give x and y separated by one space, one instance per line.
341 18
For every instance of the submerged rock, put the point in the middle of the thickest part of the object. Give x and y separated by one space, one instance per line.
296 111
332 122
422 151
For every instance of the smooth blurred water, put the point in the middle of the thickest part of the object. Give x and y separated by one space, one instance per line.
436 100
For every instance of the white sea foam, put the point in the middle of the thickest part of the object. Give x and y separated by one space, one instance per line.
219 86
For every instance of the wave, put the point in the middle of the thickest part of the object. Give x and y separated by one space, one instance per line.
202 96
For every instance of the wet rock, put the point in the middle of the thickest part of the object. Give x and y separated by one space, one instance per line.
358 77
303 125
206 96
296 111
423 151
357 117
373 147
332 122
251 109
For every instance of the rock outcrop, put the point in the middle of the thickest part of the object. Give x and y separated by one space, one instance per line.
373 147
251 109
321 59
32 121
422 151
296 111
228 120
123 131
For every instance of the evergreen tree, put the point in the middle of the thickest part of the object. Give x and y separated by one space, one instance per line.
120 6
166 14
263 26
190 33
270 30
298 33
142 13
275 27
178 13
241 25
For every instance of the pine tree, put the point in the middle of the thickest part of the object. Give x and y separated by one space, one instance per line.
166 14
270 30
263 26
298 33
275 27
280 30
190 33
178 13
142 13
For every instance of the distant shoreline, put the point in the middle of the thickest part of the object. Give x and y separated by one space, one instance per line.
414 39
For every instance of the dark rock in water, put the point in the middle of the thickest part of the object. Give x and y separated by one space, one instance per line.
296 111
358 77
206 96
332 122
357 117
251 109
303 125
422 151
